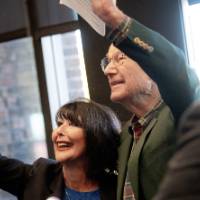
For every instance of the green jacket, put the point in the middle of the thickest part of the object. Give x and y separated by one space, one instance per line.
148 160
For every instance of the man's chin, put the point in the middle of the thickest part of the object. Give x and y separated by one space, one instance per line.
116 98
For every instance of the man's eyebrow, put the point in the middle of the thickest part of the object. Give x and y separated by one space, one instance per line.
115 53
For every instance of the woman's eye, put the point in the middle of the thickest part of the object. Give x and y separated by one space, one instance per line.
59 124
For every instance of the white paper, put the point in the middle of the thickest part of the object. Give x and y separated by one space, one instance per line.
84 9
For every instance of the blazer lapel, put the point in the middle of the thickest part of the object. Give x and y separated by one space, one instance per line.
56 187
133 163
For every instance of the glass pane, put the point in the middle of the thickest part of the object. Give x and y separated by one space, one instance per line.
192 2
65 69
21 120
191 15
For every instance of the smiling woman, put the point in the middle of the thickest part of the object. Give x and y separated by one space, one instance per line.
85 145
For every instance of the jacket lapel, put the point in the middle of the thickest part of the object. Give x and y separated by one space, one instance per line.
133 163
56 187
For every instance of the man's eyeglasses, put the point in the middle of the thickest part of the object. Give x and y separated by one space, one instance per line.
117 59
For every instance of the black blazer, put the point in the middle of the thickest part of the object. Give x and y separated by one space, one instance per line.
41 180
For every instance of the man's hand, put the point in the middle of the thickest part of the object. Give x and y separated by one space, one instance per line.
108 12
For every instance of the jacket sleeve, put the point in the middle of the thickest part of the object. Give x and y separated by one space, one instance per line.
12 175
164 63
182 180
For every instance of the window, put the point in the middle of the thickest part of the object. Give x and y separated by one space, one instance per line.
191 13
65 69
24 114
21 120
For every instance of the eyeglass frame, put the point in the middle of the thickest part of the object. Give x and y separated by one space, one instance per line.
117 59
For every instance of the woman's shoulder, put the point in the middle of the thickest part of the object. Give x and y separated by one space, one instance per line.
44 164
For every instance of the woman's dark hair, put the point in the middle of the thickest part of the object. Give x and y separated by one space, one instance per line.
102 129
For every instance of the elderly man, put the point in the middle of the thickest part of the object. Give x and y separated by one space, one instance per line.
148 137
144 162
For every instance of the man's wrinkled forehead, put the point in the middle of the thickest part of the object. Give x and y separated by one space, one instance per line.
112 50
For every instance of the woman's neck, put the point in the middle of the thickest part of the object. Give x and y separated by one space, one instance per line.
75 178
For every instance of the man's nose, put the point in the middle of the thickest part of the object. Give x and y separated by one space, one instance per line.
110 69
